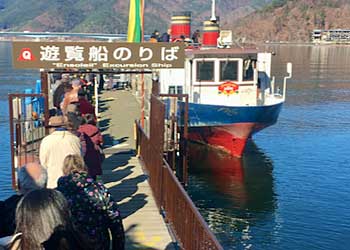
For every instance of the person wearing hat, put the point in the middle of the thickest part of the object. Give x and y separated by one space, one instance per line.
56 146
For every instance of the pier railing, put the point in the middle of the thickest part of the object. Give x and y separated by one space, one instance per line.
189 227
27 128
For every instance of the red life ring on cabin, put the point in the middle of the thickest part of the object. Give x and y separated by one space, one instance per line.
228 88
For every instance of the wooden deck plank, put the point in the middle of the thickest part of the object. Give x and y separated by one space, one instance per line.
123 175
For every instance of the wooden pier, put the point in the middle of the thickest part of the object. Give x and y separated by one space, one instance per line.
124 176
142 185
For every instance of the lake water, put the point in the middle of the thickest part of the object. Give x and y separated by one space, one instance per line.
11 81
291 190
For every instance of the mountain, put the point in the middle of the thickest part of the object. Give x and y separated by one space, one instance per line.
111 16
250 20
292 21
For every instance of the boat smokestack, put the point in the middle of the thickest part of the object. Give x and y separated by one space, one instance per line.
180 25
211 32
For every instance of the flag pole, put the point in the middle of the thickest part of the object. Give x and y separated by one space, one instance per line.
142 20
142 75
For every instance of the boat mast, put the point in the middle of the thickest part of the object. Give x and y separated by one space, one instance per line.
213 16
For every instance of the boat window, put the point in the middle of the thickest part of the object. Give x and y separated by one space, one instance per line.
248 70
205 71
171 90
175 90
228 70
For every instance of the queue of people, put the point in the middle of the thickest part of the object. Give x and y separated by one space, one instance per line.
60 203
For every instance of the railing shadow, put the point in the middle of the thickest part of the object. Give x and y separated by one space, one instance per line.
104 124
124 192
126 188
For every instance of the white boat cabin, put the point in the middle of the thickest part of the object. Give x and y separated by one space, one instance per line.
229 77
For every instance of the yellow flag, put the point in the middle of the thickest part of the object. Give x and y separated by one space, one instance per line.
135 26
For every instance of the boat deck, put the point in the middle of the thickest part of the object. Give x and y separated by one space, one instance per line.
124 176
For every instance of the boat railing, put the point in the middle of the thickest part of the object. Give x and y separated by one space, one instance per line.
289 71
273 85
190 229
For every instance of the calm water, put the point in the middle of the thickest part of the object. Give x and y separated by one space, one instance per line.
11 81
291 190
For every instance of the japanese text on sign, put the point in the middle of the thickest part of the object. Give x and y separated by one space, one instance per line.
97 55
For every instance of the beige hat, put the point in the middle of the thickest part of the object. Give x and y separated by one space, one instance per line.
58 121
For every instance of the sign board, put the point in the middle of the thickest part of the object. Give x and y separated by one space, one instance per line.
97 55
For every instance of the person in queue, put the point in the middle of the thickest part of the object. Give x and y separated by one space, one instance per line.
90 152
94 211
56 146
85 107
43 221
71 97
30 177
94 155
63 86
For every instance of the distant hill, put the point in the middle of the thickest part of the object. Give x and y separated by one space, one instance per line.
250 20
293 20
111 16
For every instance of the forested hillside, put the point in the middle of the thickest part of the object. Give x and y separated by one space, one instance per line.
293 21
110 16
250 20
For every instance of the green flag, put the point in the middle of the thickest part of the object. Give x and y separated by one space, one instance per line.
135 26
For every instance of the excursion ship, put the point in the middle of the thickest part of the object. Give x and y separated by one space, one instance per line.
232 94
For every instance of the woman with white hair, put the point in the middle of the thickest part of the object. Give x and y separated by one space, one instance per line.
30 177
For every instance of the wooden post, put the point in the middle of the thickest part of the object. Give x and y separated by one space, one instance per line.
12 138
142 100
183 143
155 85
96 98
45 92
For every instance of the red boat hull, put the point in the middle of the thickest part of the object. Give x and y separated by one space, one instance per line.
230 138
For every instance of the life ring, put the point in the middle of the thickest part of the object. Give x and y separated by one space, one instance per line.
228 88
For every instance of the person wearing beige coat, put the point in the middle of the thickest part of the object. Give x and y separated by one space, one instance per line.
54 148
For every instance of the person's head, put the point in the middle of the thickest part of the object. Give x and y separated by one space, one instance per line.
74 118
38 213
57 121
31 176
65 78
76 83
73 163
81 94
89 119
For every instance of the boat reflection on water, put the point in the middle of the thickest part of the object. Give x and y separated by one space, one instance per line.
235 195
